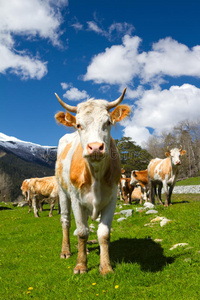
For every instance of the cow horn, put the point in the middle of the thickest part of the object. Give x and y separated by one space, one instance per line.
181 148
67 106
168 148
117 101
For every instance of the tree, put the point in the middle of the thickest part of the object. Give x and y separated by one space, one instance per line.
133 157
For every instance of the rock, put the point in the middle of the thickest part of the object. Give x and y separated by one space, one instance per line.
158 240
127 212
121 219
117 213
92 226
151 211
164 222
178 245
157 219
149 205
22 204
140 209
75 232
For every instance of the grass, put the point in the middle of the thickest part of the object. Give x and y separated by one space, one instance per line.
189 181
30 266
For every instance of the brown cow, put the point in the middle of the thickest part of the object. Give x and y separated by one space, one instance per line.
38 189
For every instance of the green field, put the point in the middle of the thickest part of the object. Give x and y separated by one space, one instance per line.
189 181
144 268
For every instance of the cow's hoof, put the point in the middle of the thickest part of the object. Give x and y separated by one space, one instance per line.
105 270
65 255
80 269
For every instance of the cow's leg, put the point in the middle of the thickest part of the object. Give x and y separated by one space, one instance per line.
152 193
35 205
52 206
166 193
81 218
104 237
159 193
41 205
29 204
65 206
170 194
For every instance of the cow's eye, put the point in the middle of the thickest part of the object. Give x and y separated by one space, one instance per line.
108 123
78 126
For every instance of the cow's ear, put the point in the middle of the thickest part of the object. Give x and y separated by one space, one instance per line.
182 152
119 113
65 119
168 154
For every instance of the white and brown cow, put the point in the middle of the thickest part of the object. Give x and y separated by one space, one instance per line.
26 192
38 190
88 171
140 177
126 189
164 172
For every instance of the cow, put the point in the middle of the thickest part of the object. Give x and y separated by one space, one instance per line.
138 193
88 171
141 177
126 189
164 172
26 192
40 189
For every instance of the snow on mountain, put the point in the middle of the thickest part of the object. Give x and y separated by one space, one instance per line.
28 151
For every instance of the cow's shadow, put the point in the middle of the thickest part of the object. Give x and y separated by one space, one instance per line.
145 252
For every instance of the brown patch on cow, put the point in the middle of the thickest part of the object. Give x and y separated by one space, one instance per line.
141 177
183 152
152 167
59 165
81 264
105 266
65 119
113 173
120 112
165 168
80 175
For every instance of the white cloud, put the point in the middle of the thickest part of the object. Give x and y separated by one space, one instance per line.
121 64
74 94
168 57
117 65
162 110
94 27
33 18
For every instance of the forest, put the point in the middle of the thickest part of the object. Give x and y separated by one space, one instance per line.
185 134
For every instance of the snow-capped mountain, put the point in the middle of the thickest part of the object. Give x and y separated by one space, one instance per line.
28 151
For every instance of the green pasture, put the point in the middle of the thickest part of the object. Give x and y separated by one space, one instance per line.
144 266
189 181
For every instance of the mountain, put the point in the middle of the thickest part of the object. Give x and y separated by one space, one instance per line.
20 160
28 151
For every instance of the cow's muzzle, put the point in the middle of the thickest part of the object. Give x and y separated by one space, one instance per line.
96 151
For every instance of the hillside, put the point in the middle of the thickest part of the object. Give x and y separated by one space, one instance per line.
20 160
13 170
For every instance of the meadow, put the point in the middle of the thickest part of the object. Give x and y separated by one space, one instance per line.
144 266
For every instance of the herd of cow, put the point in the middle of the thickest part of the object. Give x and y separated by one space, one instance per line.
88 175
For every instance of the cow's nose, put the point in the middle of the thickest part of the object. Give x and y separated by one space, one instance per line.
98 148
178 162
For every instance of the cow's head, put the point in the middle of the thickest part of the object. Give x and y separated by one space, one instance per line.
134 180
175 155
93 121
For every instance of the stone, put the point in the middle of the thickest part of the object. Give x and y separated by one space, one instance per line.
149 205
151 211
178 245
127 212
121 219
164 222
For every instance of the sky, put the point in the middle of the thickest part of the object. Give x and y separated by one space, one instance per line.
94 49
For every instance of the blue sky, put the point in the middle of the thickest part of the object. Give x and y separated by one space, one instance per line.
81 49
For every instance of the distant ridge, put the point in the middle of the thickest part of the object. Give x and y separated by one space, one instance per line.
20 160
